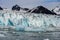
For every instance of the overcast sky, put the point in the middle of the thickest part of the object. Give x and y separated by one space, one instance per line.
30 3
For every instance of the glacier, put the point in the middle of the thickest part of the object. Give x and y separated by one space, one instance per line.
23 21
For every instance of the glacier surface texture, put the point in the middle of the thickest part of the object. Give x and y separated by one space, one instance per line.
29 21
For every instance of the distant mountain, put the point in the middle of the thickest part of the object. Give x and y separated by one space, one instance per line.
41 9
56 10
1 8
16 7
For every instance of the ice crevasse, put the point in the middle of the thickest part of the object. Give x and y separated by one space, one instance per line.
29 21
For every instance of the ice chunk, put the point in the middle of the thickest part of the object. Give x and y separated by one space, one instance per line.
46 39
20 28
2 35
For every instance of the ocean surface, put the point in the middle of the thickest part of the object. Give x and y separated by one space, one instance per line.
29 35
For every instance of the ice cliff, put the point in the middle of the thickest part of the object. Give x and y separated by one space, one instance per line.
29 21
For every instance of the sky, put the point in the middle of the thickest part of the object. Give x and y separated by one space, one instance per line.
30 3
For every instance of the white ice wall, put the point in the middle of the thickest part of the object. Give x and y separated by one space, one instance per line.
29 21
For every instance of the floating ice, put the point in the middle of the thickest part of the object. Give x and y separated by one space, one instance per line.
46 39
2 35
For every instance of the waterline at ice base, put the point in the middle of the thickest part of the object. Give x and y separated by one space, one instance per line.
30 22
